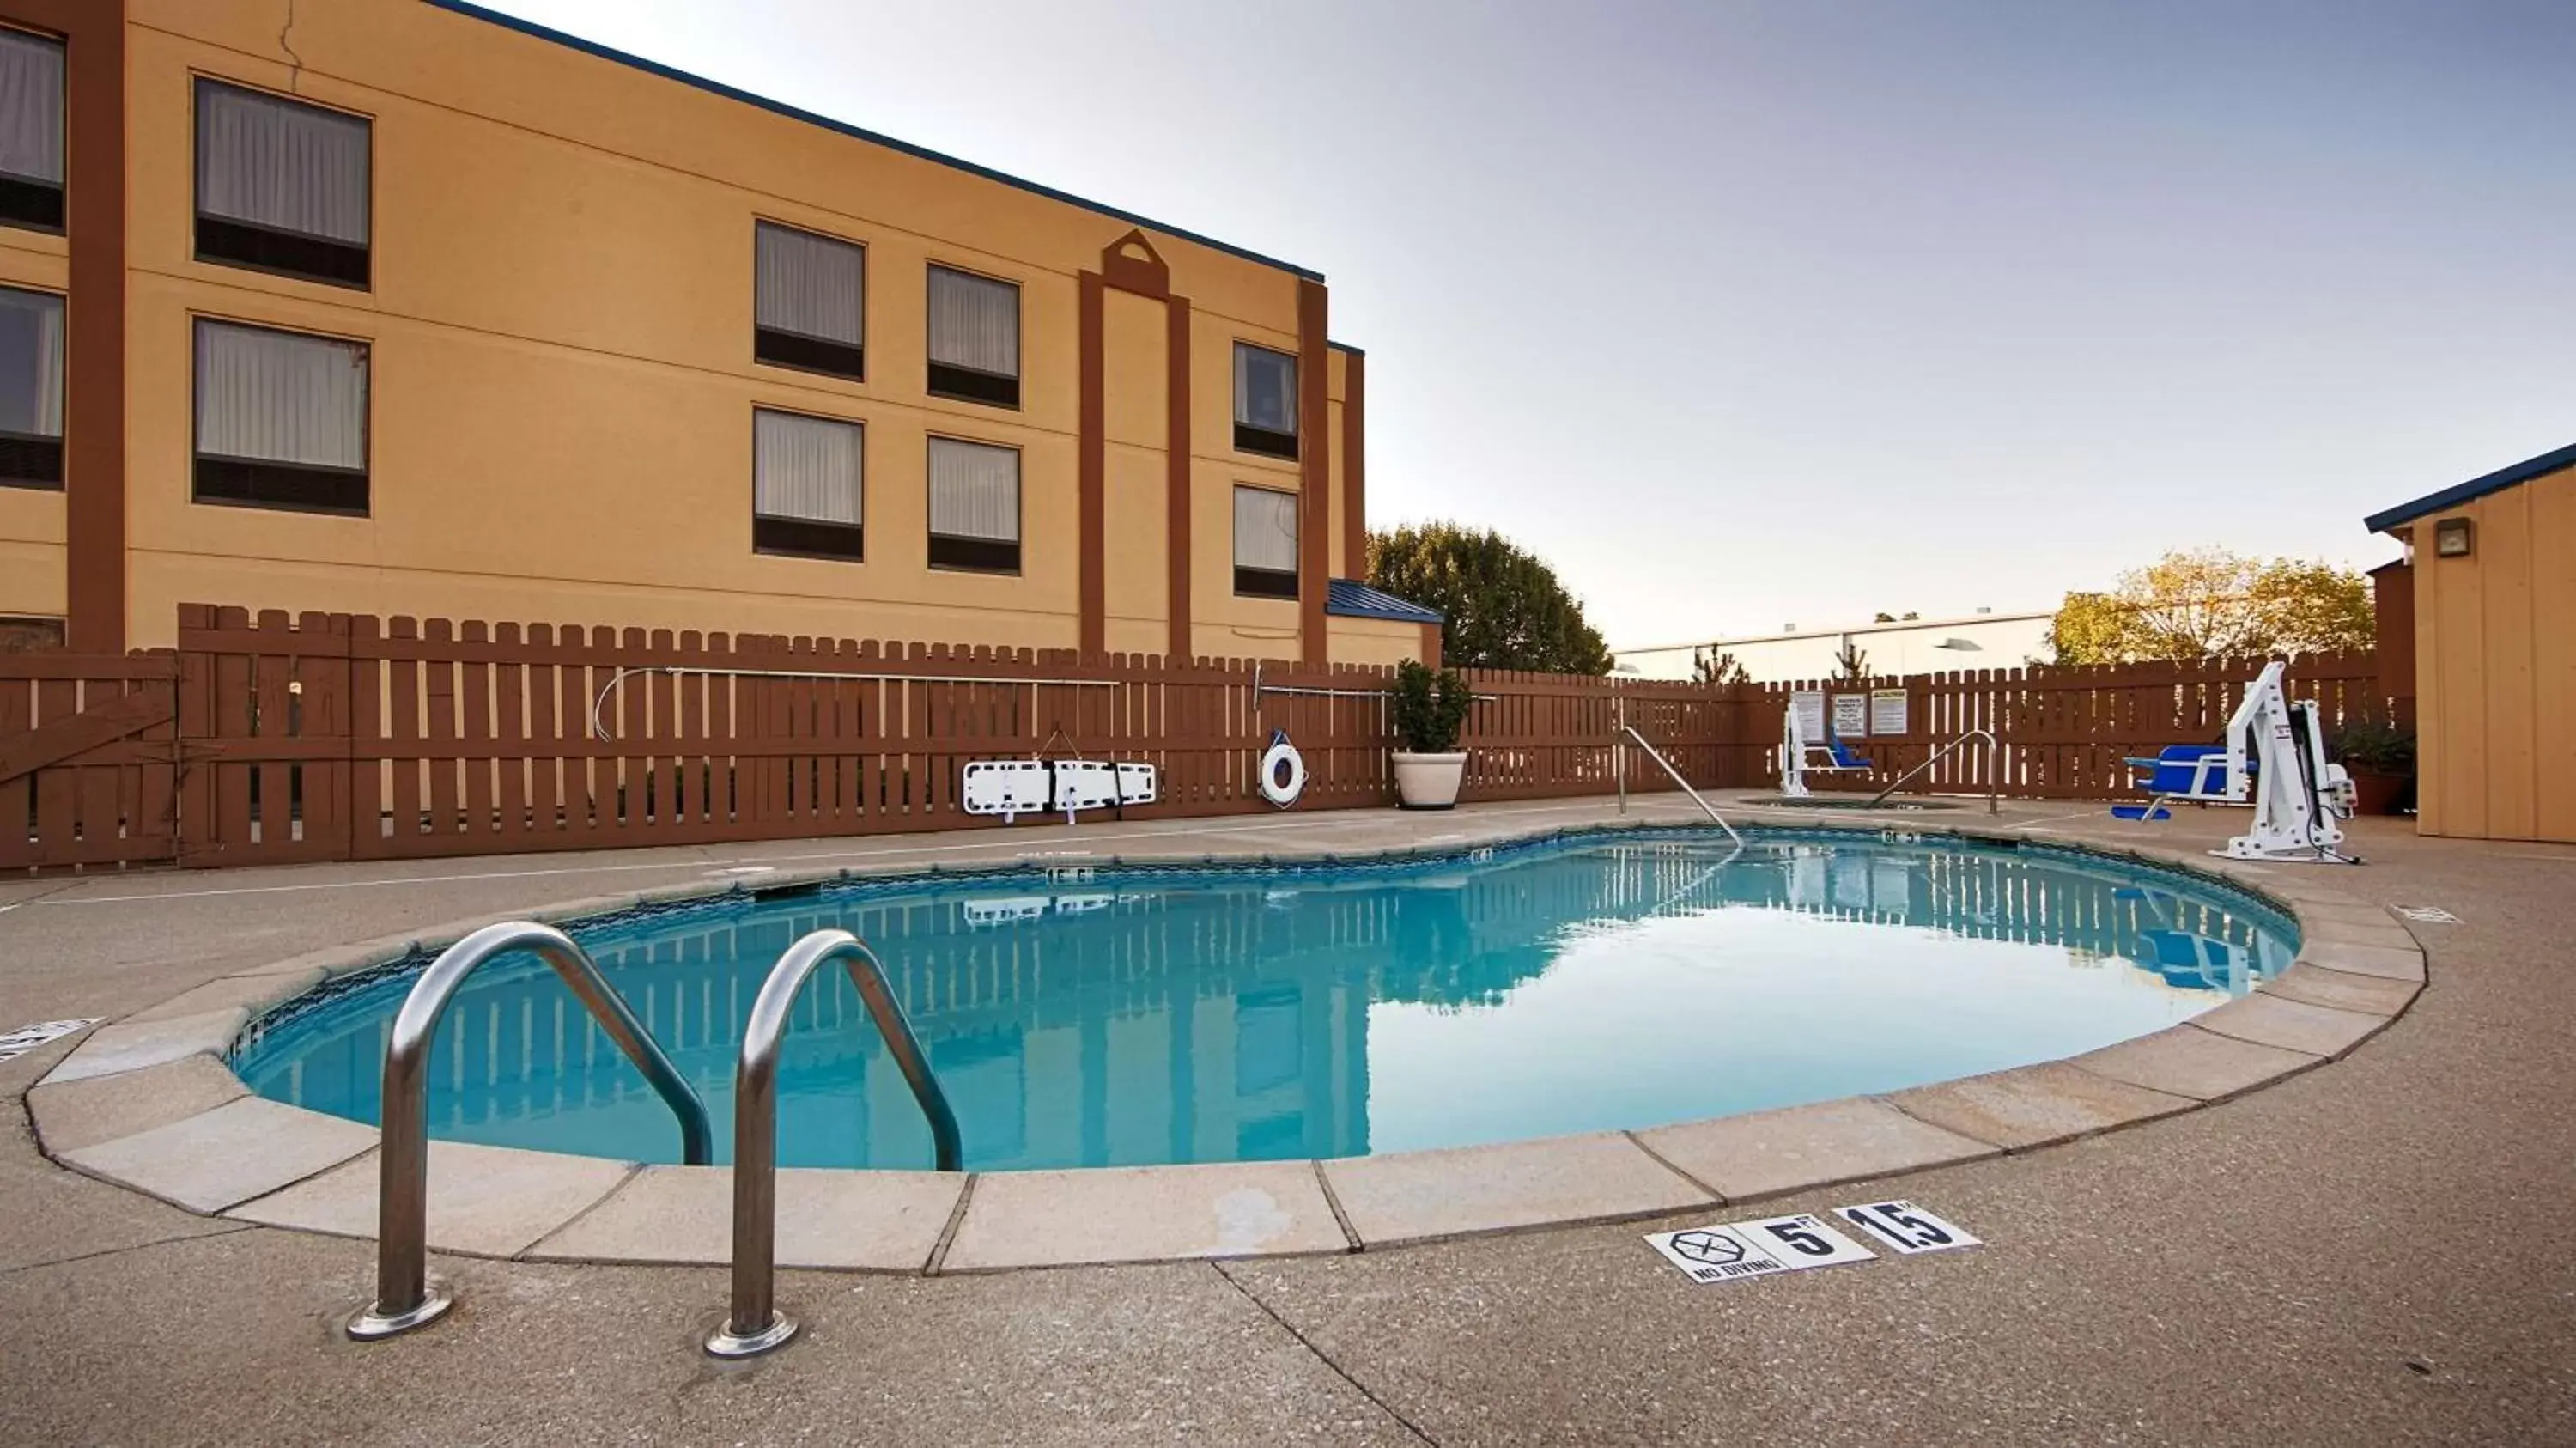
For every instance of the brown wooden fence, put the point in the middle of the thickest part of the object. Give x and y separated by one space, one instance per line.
88 757
2064 733
271 739
340 737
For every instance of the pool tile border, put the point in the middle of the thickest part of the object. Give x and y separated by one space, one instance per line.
882 1221
1425 1196
255 1160
222 1158
1102 1215
484 1201
2034 1106
1761 1154
70 1115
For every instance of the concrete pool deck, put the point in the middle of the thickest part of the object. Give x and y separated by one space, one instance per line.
1455 1341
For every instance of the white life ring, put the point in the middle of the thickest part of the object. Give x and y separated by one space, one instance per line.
1283 771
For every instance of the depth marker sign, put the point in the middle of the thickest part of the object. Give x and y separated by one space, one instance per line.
1906 1227
1769 1245
19 1042
1757 1248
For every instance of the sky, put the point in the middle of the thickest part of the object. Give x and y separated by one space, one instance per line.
1746 315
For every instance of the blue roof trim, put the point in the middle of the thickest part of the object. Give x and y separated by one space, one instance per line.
713 87
1350 598
2458 493
1347 347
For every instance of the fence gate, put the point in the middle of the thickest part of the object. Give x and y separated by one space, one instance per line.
89 754
264 716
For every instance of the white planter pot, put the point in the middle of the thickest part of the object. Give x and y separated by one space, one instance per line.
1429 781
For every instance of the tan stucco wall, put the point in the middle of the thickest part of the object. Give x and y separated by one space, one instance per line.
1373 640
561 367
2495 667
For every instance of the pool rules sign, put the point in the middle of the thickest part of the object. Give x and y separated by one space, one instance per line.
1770 1245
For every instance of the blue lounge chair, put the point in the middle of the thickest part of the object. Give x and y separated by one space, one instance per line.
1842 756
2179 771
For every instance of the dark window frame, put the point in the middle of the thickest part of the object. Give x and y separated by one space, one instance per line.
31 205
954 383
31 632
962 552
31 460
808 537
356 263
803 351
277 476
1270 583
1261 441
1264 583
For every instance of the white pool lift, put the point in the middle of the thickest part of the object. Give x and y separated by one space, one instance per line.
2274 759
1800 755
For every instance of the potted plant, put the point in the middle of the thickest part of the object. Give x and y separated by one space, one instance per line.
1430 707
2381 760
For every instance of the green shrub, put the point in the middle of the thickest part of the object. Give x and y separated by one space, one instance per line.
1430 708
2375 748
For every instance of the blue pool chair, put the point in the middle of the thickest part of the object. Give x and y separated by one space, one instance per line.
2180 771
1842 756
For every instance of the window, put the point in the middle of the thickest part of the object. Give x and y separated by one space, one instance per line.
281 186
974 506
805 493
281 419
31 131
23 634
974 338
1265 542
809 295
31 389
1265 401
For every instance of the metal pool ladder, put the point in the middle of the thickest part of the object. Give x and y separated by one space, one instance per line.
1657 755
1993 778
404 1297
753 1324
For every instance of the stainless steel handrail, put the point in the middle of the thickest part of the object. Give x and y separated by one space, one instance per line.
754 1325
404 1297
1657 755
1937 755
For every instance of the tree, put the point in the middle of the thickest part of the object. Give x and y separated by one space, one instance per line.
1853 661
1717 668
2208 603
1506 608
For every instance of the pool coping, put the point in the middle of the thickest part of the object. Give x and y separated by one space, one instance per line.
149 1103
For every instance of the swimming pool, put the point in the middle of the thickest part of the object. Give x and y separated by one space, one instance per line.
1133 1015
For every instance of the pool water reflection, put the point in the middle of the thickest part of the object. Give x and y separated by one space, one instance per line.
1586 985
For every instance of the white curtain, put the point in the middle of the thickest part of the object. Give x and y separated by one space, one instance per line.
280 397
974 322
1265 388
31 363
31 107
805 467
808 284
974 491
1265 529
281 165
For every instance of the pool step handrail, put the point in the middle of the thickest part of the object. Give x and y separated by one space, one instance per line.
405 1299
1657 755
753 1324
1993 778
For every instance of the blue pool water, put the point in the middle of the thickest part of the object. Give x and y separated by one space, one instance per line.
1165 1015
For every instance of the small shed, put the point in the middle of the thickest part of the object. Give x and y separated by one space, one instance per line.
2493 573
